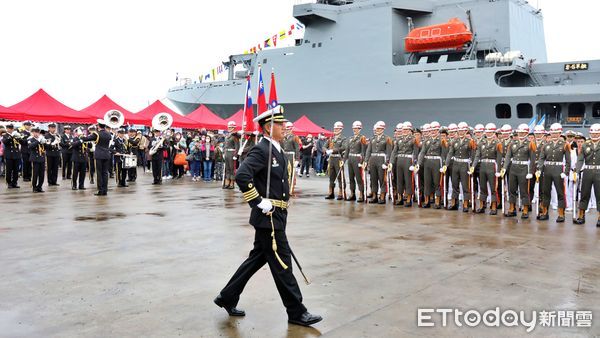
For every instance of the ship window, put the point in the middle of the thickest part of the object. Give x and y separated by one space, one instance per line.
576 112
320 44
425 33
264 61
524 111
503 111
596 110
314 45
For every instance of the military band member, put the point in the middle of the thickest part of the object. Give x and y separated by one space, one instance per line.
232 146
291 147
554 165
134 146
588 171
355 155
120 148
91 146
52 154
404 156
336 147
269 218
461 152
158 157
25 152
102 155
67 152
489 159
12 155
520 155
79 156
36 144
377 157
432 158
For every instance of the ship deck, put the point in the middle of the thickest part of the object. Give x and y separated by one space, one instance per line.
148 261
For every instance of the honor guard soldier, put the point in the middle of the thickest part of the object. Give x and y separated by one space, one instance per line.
355 154
539 137
102 155
52 154
520 156
378 155
262 178
37 151
91 146
291 147
12 154
504 136
232 146
404 156
336 147
462 152
120 148
248 144
554 165
134 147
488 158
79 157
452 136
431 158
588 168
478 135
25 152
67 152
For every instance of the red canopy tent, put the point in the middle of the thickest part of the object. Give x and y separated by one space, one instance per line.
42 107
104 104
207 119
304 126
157 107
10 115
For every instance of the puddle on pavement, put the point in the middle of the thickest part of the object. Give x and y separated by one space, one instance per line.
101 217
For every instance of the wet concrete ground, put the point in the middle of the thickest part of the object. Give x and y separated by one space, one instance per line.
148 261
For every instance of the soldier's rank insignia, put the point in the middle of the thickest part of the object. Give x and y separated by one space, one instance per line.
588 150
275 163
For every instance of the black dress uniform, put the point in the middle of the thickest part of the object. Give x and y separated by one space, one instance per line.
25 154
38 161
102 156
120 147
67 154
157 159
134 148
53 157
79 157
252 177
91 163
12 155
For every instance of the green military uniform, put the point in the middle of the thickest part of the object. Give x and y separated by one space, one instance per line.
555 164
378 154
520 156
232 146
462 153
355 156
489 159
291 148
539 145
404 155
337 145
432 158
588 164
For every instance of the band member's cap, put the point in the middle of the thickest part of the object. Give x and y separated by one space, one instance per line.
10 126
67 127
121 131
92 127
132 130
36 129
27 123
52 125
101 122
274 115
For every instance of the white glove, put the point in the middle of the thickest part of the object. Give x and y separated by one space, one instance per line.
14 133
416 167
497 174
528 176
265 205
443 169
329 152
563 175
384 166
411 168
235 158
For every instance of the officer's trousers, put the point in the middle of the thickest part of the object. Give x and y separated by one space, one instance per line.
78 179
590 178
355 174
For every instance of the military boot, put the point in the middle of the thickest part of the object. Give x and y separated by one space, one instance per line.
352 197
426 203
454 205
494 208
465 206
340 195
382 198
437 203
543 216
598 223
511 210
525 214
561 215
361 197
408 202
330 194
374 199
481 209
580 217
225 184
399 200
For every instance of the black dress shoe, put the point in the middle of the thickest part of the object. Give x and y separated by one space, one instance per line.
329 197
231 310
560 219
306 319
73 188
82 188
98 194
598 224
122 185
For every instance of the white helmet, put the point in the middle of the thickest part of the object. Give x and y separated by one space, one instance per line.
426 127
480 128
338 125
231 124
399 126
539 129
556 128
523 128
506 129
490 128
462 126
435 125
289 125
380 124
595 131
407 125
357 124
452 127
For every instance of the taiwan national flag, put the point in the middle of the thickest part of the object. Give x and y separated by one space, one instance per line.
262 100
273 92
248 123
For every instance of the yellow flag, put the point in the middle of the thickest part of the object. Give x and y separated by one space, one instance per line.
282 35
246 52
213 74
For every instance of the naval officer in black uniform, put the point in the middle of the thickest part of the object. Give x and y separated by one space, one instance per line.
252 180
102 156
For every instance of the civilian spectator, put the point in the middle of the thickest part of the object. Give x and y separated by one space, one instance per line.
196 158
208 156
320 152
219 162
306 152
179 147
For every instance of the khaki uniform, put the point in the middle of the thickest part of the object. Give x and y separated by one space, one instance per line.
554 160
291 148
404 155
489 159
338 145
432 158
355 156
520 156
462 153
588 164
232 146
379 151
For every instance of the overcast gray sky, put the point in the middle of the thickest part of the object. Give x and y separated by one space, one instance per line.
78 50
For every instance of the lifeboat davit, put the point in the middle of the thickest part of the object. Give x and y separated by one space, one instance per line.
450 35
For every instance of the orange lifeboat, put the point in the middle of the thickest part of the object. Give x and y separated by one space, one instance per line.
450 35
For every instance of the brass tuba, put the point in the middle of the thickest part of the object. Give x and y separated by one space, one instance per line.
160 122
114 119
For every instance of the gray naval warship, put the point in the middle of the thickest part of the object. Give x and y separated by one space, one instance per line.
477 61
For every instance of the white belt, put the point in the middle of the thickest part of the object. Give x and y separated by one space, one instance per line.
290 152
334 155
488 161
462 160
230 149
433 157
405 155
520 162
553 163
592 167
376 154
356 155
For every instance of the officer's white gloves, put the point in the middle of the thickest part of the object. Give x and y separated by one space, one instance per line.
265 205
528 176
563 175
329 151
411 168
